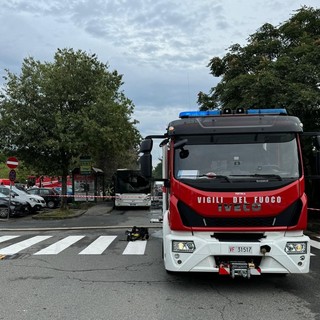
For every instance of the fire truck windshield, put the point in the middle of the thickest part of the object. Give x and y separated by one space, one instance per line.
238 157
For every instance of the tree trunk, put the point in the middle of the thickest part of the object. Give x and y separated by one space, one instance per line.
64 193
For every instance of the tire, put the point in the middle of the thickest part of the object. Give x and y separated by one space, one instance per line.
29 209
37 208
34 209
4 211
171 272
51 204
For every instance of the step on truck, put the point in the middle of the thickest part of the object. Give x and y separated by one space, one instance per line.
234 200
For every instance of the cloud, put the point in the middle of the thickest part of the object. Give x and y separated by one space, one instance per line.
162 47
152 124
147 30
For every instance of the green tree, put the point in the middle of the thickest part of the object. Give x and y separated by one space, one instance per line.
60 110
157 171
279 67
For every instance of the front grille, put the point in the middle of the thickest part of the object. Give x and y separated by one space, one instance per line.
238 237
288 217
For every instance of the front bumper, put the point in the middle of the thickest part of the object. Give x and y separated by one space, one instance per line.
211 254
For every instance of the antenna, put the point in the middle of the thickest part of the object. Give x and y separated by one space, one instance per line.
188 102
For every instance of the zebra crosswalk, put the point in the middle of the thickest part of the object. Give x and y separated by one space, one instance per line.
93 245
315 244
98 245
135 248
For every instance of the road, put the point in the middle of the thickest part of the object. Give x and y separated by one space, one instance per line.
80 269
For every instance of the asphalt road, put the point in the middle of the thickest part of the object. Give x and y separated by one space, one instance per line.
58 277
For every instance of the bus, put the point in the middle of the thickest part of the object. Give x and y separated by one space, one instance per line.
131 189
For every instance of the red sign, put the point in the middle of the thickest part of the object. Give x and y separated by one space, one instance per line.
12 162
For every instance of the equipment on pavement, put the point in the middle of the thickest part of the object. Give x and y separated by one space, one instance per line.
137 233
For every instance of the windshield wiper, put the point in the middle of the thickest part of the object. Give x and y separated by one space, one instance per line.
211 175
256 175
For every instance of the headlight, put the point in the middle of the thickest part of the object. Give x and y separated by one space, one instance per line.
183 246
296 248
15 203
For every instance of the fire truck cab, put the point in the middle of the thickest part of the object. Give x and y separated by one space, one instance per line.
234 198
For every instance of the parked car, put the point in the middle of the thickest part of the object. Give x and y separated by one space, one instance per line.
51 196
4 208
35 203
69 193
17 207
20 206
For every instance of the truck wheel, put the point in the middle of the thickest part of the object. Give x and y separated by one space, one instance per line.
172 272
4 211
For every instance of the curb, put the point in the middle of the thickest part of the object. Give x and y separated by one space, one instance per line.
81 228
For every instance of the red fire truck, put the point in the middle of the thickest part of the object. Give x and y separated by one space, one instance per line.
234 200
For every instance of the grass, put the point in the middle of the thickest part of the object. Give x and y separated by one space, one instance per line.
74 209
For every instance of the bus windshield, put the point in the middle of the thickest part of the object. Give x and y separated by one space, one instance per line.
131 181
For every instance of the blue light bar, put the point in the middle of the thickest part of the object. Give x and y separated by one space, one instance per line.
194 114
267 111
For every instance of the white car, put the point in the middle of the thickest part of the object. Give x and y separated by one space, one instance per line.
35 202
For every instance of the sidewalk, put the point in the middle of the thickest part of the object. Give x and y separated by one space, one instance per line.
137 217
99 216
100 208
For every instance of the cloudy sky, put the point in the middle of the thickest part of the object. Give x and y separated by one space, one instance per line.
162 47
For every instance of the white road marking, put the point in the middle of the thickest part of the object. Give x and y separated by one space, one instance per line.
99 245
135 247
315 244
59 246
15 248
6 238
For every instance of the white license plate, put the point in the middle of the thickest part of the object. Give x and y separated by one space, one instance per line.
240 249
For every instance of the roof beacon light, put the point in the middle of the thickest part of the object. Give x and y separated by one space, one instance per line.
196 114
228 111
267 111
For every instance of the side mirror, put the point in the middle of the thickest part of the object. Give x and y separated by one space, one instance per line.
146 165
184 154
146 145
